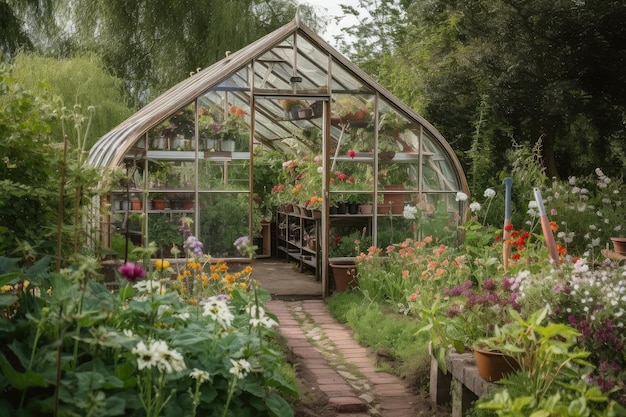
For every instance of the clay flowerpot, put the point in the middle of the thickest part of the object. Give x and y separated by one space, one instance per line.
366 208
493 366
396 199
159 204
619 245
344 273
187 204
135 205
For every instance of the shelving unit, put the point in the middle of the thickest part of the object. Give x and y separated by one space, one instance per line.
295 243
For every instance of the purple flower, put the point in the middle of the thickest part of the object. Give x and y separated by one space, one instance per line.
131 272
192 244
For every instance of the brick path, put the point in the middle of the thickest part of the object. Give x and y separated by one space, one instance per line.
344 371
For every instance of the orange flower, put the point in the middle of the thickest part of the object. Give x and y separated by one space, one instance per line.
554 227
405 273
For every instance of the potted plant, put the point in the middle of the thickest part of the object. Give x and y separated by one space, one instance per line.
158 201
136 203
341 257
543 349
292 107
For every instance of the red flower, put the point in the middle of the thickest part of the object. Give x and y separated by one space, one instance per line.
516 256
508 227
352 153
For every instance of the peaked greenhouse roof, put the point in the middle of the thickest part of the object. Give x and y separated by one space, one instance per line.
291 61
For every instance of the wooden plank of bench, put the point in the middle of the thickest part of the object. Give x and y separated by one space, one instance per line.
462 385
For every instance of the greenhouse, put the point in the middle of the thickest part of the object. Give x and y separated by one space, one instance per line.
285 141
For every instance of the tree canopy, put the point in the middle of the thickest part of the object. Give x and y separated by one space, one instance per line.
488 73
150 44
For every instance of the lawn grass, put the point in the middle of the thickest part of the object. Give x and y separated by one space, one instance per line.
381 328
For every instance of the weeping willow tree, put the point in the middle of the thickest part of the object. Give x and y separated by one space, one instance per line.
154 44
150 44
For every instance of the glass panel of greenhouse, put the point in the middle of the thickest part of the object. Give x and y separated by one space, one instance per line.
285 142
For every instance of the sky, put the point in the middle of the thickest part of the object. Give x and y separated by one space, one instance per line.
333 9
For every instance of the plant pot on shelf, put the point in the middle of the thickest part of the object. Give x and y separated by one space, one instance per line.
344 273
493 366
136 204
396 199
619 245
352 208
187 204
159 204
366 208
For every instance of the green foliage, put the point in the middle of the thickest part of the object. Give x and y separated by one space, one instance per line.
548 382
29 187
379 328
82 81
72 347
224 219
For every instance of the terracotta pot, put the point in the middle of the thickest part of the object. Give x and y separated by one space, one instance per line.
397 199
187 204
159 204
366 208
344 274
135 205
493 366
619 245
383 209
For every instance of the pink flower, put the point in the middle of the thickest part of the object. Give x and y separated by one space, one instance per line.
132 272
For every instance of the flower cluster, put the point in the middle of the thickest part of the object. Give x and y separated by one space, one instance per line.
216 308
132 272
156 354
475 309
314 203
193 246
245 247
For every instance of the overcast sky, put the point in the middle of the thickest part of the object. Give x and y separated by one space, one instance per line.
332 9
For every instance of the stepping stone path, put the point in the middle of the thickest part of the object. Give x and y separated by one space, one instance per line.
344 370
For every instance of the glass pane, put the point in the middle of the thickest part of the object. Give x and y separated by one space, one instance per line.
223 219
312 68
437 171
223 173
293 121
171 175
273 69
224 121
165 230
176 133
344 81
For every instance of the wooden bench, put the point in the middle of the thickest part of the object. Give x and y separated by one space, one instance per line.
462 385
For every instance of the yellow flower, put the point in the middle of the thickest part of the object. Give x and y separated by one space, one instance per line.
243 285
161 264
6 288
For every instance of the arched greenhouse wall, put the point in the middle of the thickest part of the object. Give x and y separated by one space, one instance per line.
286 121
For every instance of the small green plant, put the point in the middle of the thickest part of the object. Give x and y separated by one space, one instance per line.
552 366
